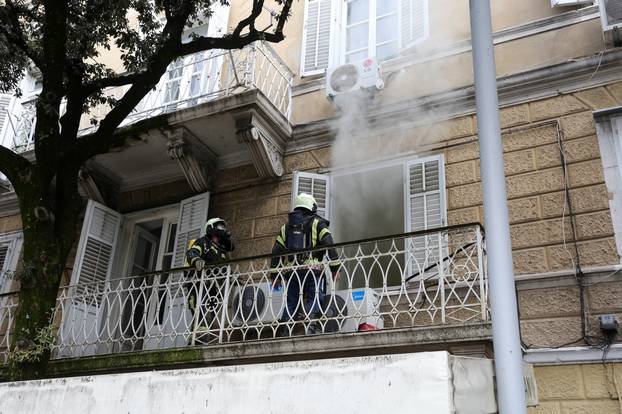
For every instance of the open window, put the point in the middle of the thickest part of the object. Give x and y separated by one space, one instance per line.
121 286
385 199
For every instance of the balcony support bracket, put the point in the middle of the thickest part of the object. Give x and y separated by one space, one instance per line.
266 146
195 160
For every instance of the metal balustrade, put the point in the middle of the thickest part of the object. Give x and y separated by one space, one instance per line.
8 307
192 80
409 280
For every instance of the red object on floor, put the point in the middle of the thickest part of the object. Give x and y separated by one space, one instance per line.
366 327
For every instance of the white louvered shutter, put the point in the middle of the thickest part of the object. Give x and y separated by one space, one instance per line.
316 37
83 309
318 185
413 21
192 218
98 240
5 254
425 208
5 101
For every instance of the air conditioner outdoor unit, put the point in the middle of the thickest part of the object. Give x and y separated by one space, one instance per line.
351 308
258 303
347 310
611 19
353 76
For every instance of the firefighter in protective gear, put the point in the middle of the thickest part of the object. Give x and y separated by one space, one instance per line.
213 247
305 284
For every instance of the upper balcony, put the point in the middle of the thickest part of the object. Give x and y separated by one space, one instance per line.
415 291
223 92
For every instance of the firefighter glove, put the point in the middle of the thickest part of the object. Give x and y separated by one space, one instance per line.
199 264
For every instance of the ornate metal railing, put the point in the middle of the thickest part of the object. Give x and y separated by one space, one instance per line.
192 80
8 307
409 280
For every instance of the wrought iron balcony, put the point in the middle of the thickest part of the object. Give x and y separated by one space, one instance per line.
421 279
189 81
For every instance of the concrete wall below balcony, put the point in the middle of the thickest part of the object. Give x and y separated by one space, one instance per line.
429 382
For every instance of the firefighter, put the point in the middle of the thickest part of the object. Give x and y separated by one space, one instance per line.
305 285
213 247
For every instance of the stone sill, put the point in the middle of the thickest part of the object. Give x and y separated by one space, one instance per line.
467 339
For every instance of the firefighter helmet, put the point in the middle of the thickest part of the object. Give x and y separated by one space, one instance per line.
215 224
304 200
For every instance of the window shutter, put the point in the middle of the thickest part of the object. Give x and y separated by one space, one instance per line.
5 101
318 185
316 37
425 207
413 21
192 218
98 240
5 258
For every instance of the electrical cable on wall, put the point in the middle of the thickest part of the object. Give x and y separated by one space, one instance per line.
597 342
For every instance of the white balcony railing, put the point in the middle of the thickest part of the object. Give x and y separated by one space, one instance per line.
190 81
384 283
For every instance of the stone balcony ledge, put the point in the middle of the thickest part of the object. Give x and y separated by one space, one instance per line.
464 339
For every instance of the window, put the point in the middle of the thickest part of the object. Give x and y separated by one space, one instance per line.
609 132
10 247
107 252
384 199
198 74
173 81
344 31
370 29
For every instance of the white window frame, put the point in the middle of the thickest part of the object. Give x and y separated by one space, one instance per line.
371 35
609 133
338 57
14 242
168 214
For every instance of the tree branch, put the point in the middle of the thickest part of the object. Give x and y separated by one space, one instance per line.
13 165
120 80
235 40
143 82
14 33
250 20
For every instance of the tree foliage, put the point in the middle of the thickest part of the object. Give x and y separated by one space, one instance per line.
64 40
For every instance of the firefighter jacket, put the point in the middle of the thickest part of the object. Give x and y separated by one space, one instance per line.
318 235
209 250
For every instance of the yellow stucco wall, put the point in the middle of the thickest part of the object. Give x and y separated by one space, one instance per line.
578 389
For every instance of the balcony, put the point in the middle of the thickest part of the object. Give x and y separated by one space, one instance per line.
190 83
422 288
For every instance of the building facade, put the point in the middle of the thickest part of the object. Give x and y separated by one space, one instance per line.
239 134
